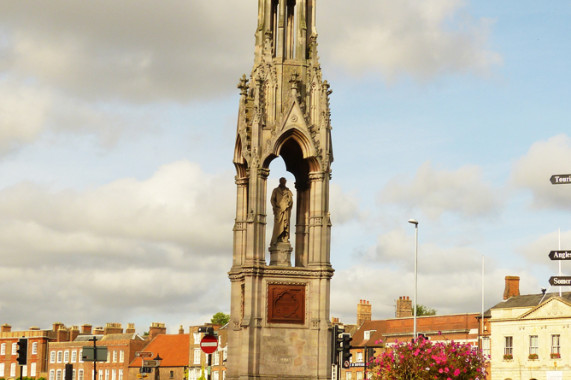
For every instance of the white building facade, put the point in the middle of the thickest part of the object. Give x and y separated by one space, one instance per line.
531 338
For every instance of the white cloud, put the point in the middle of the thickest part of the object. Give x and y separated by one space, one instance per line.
537 251
533 171
457 292
408 38
129 50
344 206
435 192
119 250
24 111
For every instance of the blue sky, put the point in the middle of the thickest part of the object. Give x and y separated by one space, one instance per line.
117 130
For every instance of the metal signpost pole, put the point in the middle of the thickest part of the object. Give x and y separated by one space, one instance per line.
94 358
415 222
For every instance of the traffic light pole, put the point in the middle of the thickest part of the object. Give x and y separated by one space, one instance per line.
94 339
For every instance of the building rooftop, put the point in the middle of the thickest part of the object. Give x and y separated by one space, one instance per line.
172 348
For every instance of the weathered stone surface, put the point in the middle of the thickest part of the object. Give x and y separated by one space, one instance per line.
283 112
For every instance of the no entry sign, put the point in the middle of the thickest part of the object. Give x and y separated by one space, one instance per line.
209 344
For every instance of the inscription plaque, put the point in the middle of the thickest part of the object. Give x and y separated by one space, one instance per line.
286 303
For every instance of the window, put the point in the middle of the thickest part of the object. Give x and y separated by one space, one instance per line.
121 373
59 357
24 371
367 334
106 374
114 356
52 375
3 349
348 376
216 376
121 356
509 345
171 374
35 348
555 347
80 356
197 356
1 369
52 357
114 374
80 375
533 345
73 356
59 374
359 357
32 369
216 358
13 369
359 375
14 348
73 375
196 338
486 346
66 357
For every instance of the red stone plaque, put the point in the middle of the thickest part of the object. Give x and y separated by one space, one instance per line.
286 304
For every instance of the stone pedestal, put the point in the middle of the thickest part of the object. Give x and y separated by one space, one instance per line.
280 254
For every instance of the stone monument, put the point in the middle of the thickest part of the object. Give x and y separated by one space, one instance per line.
280 325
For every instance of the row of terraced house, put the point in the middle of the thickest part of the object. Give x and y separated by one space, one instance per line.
51 352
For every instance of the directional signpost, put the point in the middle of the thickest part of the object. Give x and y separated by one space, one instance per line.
560 179
560 255
560 281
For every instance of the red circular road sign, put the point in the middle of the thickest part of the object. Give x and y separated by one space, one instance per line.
209 344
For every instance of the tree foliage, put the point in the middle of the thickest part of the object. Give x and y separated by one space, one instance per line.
424 310
220 319
423 359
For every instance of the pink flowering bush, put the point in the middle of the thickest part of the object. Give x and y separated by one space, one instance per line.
424 359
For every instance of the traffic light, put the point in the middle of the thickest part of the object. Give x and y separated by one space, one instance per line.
337 343
68 371
22 351
346 353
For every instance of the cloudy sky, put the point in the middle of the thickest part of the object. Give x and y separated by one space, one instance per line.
117 129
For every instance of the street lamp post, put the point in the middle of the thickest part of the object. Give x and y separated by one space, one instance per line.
415 222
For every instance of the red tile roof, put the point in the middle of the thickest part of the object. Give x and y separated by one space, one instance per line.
173 349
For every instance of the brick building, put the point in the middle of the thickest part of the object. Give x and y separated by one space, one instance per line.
173 350
121 348
198 359
375 334
38 340
529 335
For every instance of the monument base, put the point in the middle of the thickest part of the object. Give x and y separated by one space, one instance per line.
280 254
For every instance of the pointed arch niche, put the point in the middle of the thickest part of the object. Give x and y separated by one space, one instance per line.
293 148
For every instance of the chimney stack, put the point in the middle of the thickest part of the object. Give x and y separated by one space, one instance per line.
6 328
512 287
363 312
130 328
404 308
113 328
86 329
156 329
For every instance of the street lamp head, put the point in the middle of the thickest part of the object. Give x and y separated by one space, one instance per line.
413 221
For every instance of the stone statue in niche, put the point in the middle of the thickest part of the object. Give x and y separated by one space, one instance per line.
282 202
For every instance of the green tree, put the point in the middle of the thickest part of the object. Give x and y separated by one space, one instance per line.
220 319
424 310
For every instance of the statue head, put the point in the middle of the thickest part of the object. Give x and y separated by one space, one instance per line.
283 182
